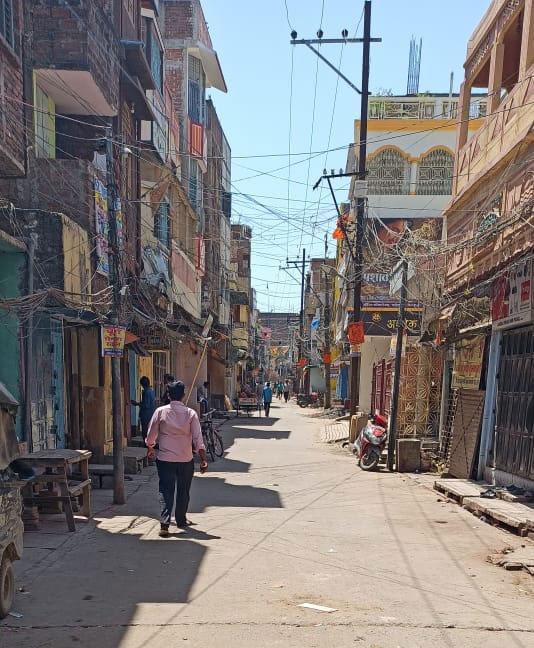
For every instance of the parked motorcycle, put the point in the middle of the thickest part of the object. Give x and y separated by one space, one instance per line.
371 443
303 400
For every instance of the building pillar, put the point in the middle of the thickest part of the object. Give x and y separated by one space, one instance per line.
413 178
527 40
495 77
464 105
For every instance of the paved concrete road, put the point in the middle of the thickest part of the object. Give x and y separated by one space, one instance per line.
282 520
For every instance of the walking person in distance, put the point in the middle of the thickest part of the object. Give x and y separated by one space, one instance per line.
267 397
286 391
176 430
147 405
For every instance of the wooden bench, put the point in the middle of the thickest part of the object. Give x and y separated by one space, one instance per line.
100 471
58 467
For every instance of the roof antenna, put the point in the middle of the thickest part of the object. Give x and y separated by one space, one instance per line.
414 67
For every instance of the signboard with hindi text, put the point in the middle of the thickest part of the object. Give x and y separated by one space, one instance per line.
112 341
468 358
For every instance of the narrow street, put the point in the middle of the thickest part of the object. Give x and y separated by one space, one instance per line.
282 520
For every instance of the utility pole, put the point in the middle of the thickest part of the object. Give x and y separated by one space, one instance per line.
398 360
114 278
327 344
300 265
29 377
356 253
355 356
327 340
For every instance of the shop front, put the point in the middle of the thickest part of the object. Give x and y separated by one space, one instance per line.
512 306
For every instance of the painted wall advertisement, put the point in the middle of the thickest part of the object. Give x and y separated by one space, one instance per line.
467 368
102 226
512 298
112 341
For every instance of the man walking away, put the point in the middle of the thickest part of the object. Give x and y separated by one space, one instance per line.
167 380
176 430
147 405
286 391
267 398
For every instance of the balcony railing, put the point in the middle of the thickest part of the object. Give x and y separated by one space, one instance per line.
501 132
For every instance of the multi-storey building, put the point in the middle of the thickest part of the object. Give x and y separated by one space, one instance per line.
281 331
487 319
217 238
241 300
317 310
100 114
13 247
410 158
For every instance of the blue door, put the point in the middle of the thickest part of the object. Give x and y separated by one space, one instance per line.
58 381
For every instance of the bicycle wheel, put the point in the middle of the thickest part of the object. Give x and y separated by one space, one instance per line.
218 444
210 446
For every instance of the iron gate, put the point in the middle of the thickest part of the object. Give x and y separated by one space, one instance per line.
514 449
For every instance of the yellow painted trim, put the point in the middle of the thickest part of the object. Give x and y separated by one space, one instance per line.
438 147
387 147
410 125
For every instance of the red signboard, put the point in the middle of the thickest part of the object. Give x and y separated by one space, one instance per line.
355 333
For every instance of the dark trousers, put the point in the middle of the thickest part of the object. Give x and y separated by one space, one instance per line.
174 484
144 427
267 406
286 396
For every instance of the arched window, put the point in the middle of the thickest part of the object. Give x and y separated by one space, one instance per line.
388 173
434 173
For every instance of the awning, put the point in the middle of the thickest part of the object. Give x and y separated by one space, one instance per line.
78 316
137 63
211 65
136 95
138 349
476 328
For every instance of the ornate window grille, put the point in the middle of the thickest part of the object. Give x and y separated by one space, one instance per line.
434 174
389 173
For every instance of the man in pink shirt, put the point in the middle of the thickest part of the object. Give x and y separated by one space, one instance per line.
176 430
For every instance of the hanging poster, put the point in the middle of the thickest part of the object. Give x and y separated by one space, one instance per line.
101 227
112 341
512 298
467 367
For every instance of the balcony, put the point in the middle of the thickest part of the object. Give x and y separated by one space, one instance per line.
76 57
186 282
501 132
240 336
155 133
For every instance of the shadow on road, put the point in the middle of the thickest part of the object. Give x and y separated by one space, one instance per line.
215 491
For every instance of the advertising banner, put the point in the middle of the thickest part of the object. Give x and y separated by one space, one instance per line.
467 368
112 341
512 299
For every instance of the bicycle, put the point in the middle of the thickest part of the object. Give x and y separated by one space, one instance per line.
210 434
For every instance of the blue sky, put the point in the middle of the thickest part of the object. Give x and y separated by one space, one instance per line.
252 40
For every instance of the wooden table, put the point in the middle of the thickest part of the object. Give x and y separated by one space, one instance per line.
58 468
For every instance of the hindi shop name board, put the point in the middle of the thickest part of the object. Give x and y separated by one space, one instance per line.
383 321
467 367
512 302
112 338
